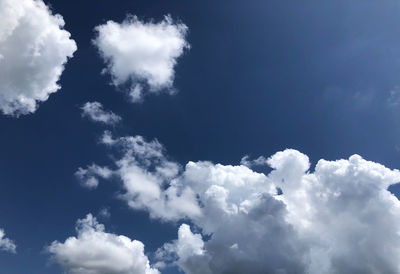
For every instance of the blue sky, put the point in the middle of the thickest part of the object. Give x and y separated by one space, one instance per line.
318 77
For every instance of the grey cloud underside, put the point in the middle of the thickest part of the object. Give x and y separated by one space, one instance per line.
338 218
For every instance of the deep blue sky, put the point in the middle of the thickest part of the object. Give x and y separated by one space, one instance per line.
261 76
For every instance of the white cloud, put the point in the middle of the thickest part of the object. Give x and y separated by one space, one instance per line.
141 54
34 49
88 176
338 218
95 112
145 171
6 244
95 251
189 250
260 161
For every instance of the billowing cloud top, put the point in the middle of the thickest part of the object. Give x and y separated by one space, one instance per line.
6 244
95 251
33 51
141 54
339 218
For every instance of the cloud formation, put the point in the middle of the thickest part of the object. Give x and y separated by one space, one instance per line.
338 218
95 112
145 172
141 55
95 251
6 244
88 176
246 161
34 48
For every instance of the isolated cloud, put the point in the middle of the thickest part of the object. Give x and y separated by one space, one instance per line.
33 51
141 54
6 244
88 176
95 251
95 112
338 218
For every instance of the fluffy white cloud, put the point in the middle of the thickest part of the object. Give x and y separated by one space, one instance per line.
6 244
338 218
145 173
189 252
141 54
33 51
95 112
95 251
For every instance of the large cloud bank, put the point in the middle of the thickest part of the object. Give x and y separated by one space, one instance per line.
95 251
33 51
141 54
338 218
6 244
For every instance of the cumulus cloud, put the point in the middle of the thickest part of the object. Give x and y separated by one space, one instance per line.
95 251
141 55
146 173
189 252
95 112
338 218
34 48
6 244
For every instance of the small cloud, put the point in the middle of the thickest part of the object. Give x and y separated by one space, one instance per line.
95 251
140 54
260 161
89 176
394 97
6 244
95 112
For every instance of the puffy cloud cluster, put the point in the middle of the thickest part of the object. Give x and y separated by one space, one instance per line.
34 48
148 178
339 218
95 112
95 251
6 244
141 54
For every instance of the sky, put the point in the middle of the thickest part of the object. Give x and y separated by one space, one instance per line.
145 137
